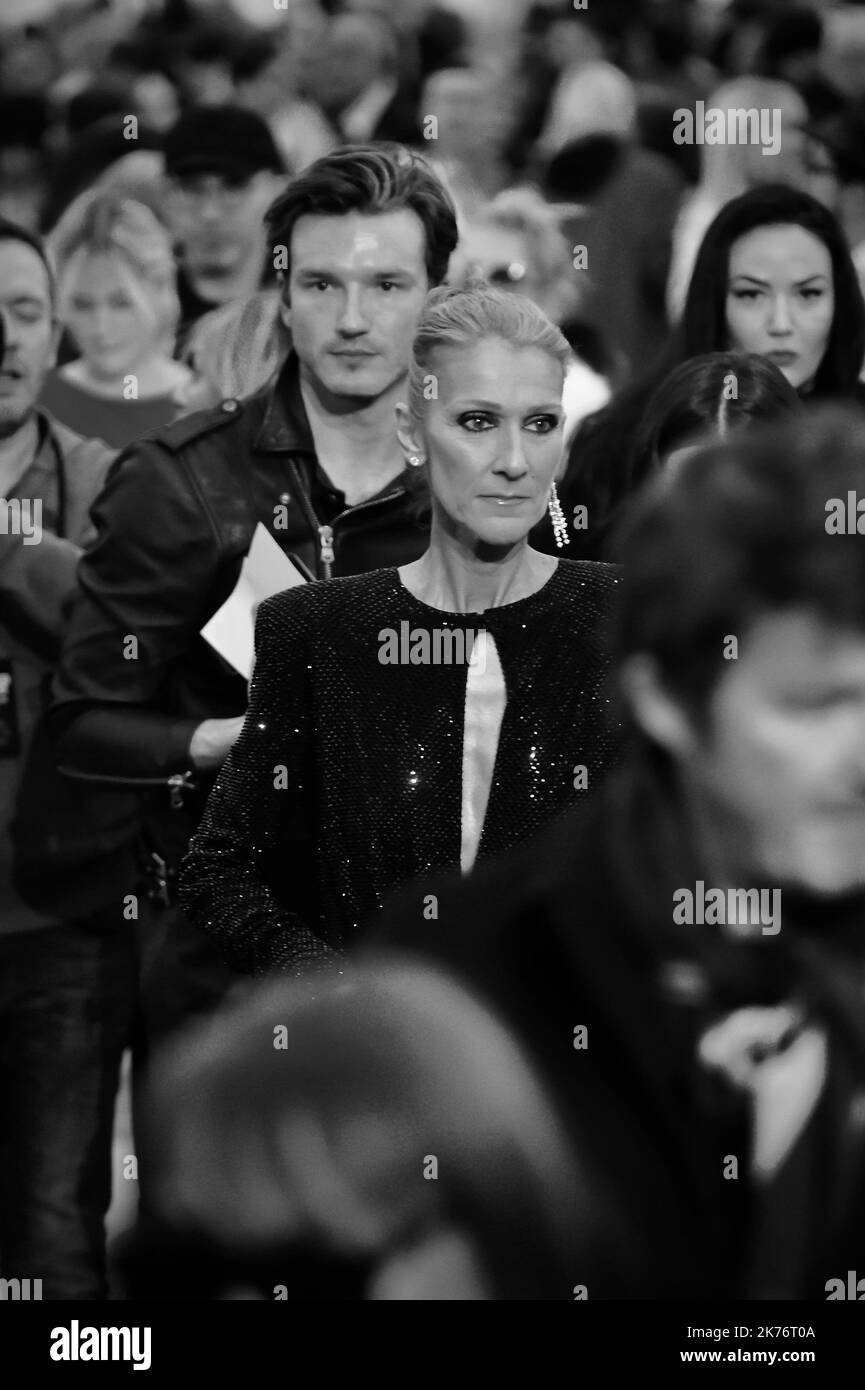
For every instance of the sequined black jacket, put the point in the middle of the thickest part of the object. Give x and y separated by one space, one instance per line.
347 778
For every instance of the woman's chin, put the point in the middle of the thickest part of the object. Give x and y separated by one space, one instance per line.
504 529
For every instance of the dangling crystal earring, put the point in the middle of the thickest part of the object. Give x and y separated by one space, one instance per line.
557 517
414 461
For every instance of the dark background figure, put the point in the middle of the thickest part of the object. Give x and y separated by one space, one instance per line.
66 950
836 166
791 50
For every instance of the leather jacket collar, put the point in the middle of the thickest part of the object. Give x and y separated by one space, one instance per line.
285 425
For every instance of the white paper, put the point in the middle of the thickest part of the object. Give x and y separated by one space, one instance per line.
266 570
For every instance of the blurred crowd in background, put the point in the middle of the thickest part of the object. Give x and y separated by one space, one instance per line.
148 153
552 126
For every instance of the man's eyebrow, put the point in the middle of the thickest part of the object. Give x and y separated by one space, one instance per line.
314 273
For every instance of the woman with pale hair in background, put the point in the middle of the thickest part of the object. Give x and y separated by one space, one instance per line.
384 1140
236 349
516 243
117 298
730 169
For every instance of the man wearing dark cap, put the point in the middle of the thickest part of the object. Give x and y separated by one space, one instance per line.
223 170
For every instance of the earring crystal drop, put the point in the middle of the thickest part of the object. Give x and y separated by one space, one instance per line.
414 461
557 517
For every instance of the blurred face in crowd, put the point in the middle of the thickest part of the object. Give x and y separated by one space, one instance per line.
781 299
348 59
218 221
469 110
155 99
107 310
354 293
777 774
492 439
502 257
788 165
31 332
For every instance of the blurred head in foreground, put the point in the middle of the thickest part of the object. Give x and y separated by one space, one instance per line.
742 645
385 1140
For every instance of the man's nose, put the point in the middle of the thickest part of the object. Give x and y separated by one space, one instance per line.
353 319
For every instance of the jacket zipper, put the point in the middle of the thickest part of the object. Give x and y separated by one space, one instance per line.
178 782
325 533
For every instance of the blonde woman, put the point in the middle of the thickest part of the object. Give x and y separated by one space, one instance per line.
422 716
118 302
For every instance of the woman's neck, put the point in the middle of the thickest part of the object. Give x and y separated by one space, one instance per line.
457 579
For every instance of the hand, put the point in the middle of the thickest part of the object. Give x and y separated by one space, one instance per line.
212 742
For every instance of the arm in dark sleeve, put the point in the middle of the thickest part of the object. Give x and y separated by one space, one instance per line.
35 584
249 876
137 609
37 581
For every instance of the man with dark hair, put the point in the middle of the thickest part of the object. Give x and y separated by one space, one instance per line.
687 958
359 239
66 955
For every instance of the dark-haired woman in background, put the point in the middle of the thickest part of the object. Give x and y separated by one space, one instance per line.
716 393
773 276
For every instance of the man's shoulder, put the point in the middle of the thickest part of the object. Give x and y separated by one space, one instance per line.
234 411
70 442
87 460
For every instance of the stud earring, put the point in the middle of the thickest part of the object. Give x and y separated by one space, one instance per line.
414 461
557 517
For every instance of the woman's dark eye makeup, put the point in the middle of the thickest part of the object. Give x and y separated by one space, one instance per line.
475 420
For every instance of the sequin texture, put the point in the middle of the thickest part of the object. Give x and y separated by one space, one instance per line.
346 779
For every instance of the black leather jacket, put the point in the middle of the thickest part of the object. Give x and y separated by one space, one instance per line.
173 524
